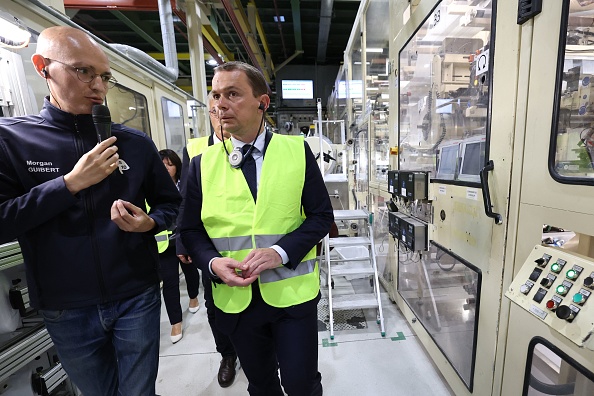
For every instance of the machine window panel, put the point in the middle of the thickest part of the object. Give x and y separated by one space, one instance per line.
129 108
572 156
550 371
377 87
443 291
444 81
173 120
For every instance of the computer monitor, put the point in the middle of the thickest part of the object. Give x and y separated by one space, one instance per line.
447 162
472 154
297 89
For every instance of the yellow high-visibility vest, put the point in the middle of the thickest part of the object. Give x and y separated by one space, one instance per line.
236 224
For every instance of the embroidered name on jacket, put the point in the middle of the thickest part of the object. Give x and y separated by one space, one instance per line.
41 167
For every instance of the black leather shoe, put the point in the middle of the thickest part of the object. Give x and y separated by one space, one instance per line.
227 371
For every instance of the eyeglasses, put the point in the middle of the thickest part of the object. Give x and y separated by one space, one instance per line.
86 74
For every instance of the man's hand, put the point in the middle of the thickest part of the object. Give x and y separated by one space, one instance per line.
259 260
130 217
184 258
93 167
224 268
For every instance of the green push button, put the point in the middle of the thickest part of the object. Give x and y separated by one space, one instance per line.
555 268
562 290
571 274
578 298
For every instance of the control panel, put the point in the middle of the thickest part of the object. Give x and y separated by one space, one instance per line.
393 182
555 285
413 185
408 230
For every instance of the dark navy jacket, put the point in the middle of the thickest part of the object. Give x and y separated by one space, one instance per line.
75 256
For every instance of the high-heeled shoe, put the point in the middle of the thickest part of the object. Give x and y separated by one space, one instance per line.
176 337
196 308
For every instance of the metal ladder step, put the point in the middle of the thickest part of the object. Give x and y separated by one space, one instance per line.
346 260
350 215
360 268
349 241
354 301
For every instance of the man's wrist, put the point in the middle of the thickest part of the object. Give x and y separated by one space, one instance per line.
210 268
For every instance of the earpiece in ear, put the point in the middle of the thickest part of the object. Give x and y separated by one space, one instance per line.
44 72
261 107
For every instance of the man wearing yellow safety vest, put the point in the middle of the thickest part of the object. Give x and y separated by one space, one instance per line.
227 366
255 207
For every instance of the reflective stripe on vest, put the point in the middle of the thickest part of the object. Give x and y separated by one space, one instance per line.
236 224
280 273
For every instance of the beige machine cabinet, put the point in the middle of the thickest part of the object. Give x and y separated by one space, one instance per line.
555 286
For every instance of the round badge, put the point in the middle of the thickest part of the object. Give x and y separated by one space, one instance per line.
235 158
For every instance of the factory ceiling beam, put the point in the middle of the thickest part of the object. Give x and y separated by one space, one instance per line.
240 23
324 32
296 11
134 5
256 24
137 29
217 43
280 28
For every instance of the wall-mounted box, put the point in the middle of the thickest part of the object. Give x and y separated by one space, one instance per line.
413 185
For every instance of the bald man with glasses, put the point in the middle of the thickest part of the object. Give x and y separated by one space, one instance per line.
79 216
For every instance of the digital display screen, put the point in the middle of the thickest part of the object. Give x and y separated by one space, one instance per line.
448 159
355 89
473 158
297 89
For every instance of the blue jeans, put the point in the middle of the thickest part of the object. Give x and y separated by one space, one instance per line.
110 349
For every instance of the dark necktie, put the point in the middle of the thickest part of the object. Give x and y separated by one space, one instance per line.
249 169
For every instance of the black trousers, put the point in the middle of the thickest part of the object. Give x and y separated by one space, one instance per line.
169 271
222 341
268 338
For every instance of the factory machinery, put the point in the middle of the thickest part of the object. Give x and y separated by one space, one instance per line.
482 111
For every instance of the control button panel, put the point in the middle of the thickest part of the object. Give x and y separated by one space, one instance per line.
555 286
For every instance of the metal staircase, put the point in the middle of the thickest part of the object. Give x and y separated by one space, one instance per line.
361 266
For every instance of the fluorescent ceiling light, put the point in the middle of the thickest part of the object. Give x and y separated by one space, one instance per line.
212 62
282 18
378 50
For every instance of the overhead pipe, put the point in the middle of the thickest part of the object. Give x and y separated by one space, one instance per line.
168 34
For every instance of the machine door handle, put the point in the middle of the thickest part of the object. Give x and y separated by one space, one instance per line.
486 195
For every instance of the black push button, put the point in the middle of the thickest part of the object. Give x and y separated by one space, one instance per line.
535 274
540 294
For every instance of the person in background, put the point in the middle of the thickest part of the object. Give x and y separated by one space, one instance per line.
228 365
255 207
169 268
77 208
